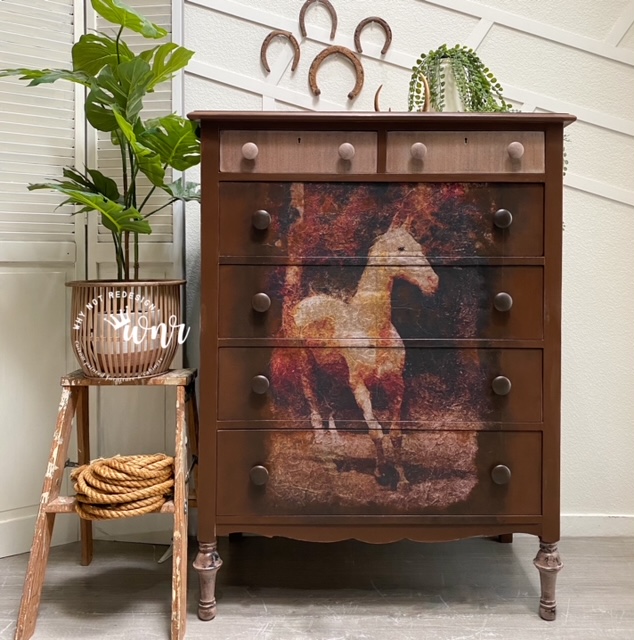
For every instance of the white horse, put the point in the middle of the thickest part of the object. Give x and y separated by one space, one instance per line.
366 316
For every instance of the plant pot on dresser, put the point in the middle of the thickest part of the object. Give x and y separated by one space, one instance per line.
380 351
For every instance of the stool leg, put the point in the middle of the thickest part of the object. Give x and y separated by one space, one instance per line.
38 559
192 431
179 560
83 457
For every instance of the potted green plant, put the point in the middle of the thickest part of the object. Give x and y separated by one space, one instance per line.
454 79
125 328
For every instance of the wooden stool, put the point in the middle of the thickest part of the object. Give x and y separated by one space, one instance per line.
75 401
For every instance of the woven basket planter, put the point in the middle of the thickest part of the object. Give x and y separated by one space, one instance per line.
125 329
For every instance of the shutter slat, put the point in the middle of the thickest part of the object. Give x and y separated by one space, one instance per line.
37 128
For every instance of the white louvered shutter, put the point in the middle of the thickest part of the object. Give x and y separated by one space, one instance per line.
39 245
37 128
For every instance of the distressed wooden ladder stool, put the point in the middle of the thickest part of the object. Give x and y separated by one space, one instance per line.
74 401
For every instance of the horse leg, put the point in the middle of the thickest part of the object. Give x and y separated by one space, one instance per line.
396 389
364 401
307 374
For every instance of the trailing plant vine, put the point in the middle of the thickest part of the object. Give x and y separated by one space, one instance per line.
478 88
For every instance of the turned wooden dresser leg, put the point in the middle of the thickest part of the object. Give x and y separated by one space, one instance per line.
207 564
548 564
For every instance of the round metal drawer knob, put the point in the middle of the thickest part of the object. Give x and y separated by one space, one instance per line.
501 474
261 219
501 385
260 384
503 301
261 302
515 150
250 151
418 151
346 151
502 218
259 475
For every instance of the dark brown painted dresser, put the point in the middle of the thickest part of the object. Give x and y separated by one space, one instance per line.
380 349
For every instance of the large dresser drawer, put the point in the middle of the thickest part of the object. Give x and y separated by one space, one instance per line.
350 386
465 152
280 473
467 302
343 152
346 220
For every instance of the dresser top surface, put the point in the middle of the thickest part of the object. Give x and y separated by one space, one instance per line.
285 119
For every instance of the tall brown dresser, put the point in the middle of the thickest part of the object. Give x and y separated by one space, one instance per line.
380 349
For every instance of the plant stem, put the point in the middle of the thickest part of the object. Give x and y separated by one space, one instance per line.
117 44
172 201
119 257
147 197
124 163
136 256
126 241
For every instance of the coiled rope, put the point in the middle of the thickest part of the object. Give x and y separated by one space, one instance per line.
123 486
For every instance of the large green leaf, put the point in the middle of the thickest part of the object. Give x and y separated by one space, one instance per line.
43 76
123 87
104 185
97 183
115 216
174 139
185 191
120 13
93 51
149 161
168 59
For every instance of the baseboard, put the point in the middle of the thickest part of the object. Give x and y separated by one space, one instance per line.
576 525
16 532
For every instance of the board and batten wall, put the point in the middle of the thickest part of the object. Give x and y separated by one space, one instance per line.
574 56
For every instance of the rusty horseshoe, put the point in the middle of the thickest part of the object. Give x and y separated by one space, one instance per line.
331 11
267 41
329 51
363 24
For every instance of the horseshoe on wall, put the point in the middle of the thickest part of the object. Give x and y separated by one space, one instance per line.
331 11
363 24
329 51
267 41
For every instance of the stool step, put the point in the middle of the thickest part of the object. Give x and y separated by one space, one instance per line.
66 504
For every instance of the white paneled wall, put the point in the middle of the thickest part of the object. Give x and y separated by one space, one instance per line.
573 56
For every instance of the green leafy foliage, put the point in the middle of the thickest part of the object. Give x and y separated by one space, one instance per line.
44 76
185 191
117 81
119 13
478 88
94 51
114 216
174 139
148 161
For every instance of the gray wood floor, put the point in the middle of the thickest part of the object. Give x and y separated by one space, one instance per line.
285 590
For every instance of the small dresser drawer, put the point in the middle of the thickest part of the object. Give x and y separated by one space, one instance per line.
465 152
325 152
344 220
338 385
353 301
281 473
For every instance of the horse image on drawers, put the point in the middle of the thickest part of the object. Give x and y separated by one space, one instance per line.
395 255
372 408
373 422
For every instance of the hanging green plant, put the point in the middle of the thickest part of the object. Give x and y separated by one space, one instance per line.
476 85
